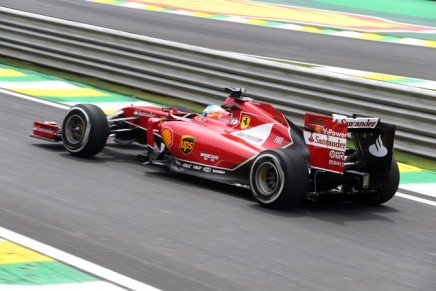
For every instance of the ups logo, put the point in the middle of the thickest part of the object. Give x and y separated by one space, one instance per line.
187 144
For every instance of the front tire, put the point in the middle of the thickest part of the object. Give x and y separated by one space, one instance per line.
85 130
279 179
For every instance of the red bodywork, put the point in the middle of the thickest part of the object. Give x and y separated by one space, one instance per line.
230 139
224 142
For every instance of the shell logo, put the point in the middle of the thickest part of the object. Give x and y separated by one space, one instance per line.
167 137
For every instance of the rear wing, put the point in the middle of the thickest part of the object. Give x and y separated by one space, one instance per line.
326 138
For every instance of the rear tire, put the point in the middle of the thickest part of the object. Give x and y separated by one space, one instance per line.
279 179
85 130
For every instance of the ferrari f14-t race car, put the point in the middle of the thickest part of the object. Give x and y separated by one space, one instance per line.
248 144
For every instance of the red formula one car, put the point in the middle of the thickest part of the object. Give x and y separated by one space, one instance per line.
248 144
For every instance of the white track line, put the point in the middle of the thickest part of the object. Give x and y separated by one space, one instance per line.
34 99
417 199
427 189
74 261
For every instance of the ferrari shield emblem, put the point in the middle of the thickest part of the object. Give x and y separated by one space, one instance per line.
245 121
187 144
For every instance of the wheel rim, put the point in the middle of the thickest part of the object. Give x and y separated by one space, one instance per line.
75 129
267 179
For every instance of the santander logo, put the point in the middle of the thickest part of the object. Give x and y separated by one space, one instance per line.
325 141
378 149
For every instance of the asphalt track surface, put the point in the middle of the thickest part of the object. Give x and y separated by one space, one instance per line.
178 233
401 60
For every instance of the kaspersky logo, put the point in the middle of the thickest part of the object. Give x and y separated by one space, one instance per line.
378 149
187 144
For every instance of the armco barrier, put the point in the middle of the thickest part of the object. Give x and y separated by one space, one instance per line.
200 74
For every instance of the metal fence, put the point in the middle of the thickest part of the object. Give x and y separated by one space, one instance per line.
199 74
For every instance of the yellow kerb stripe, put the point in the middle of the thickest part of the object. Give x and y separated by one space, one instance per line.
202 14
85 92
11 253
382 77
256 21
10 73
310 29
404 168
371 36
154 8
431 43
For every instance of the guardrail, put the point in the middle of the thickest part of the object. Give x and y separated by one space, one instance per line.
200 74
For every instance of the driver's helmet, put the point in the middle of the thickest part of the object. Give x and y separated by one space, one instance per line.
214 111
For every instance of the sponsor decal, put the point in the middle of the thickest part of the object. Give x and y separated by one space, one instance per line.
336 163
210 157
331 132
167 137
339 155
45 130
378 149
234 121
278 140
360 122
325 141
200 119
218 171
196 167
214 171
245 121
186 165
256 135
248 137
187 144
144 114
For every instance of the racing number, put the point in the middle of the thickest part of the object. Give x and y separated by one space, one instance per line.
187 144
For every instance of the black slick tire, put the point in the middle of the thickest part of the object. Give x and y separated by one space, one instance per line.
279 179
85 130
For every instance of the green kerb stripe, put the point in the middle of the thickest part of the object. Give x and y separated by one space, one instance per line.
418 177
23 78
41 273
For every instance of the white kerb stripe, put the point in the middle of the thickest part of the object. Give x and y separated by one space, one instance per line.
74 261
38 85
